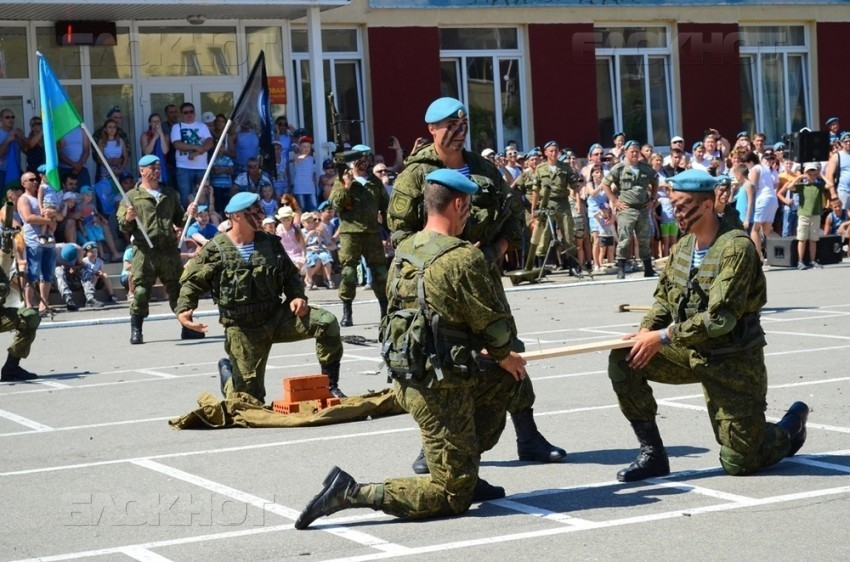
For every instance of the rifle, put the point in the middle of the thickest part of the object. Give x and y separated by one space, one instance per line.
341 157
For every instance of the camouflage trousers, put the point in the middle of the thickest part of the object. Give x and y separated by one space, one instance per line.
735 389
457 424
25 322
148 264
561 218
632 221
351 247
248 347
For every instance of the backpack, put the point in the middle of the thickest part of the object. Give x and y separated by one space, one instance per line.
407 335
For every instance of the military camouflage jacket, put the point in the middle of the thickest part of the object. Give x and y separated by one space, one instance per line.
359 205
247 293
459 288
158 216
633 189
495 212
559 181
716 305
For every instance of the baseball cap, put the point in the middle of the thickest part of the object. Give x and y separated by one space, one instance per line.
811 166
208 117
676 139
487 152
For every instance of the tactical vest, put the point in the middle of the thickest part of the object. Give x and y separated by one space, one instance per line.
416 345
689 294
249 292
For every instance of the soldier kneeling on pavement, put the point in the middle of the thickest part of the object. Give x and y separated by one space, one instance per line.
25 322
260 299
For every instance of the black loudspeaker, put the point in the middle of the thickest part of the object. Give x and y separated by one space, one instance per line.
808 146
829 249
782 252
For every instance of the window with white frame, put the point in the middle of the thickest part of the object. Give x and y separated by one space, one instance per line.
342 55
774 79
482 67
633 84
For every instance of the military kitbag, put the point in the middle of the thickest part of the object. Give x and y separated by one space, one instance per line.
407 335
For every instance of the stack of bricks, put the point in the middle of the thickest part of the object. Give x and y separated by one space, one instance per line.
312 388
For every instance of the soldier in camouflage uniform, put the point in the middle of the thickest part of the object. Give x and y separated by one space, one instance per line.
260 299
24 321
159 211
704 328
631 187
494 226
557 178
359 199
455 419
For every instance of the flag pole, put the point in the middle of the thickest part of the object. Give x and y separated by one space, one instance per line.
114 179
207 174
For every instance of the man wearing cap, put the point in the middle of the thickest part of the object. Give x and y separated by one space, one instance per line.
833 126
158 210
260 299
554 180
455 420
494 226
704 328
837 174
191 141
202 230
631 187
360 201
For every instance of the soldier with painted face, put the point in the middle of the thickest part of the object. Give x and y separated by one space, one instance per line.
494 226
554 180
454 411
159 211
704 328
631 187
360 201
260 299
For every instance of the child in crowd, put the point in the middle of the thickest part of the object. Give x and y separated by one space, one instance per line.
291 238
304 175
49 198
201 230
126 278
93 277
268 225
668 226
837 220
268 202
318 251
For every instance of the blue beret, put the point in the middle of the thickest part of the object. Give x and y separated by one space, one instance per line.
779 146
563 157
69 252
443 108
533 152
147 160
696 145
41 169
723 179
830 121
452 179
593 147
742 134
618 134
844 135
550 143
361 148
693 181
86 189
631 143
241 201
203 208
324 205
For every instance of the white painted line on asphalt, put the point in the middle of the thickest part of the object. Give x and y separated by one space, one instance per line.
808 335
820 464
89 426
808 383
541 513
51 384
26 422
361 538
157 374
143 554
708 492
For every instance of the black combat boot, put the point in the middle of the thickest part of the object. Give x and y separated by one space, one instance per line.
188 334
484 491
346 315
420 465
530 444
136 329
340 492
652 458
794 422
12 370
621 269
225 373
648 271
382 303
332 372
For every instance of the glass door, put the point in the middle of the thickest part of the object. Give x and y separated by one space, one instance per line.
17 103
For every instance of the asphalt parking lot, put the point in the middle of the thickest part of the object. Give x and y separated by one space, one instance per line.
91 469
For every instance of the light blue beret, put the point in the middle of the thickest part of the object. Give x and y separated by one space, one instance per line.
147 160
41 169
361 148
86 189
830 121
550 143
631 143
241 201
452 179
742 134
693 181
779 146
844 135
723 179
443 108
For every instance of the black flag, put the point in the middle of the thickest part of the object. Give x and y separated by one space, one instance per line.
253 111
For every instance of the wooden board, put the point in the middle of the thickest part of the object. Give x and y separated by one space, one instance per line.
606 345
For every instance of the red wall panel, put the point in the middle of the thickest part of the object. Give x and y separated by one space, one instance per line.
833 75
710 77
405 78
563 75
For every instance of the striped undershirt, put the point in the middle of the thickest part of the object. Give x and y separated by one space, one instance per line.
464 170
245 250
698 257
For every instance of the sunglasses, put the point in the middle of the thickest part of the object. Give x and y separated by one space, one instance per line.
188 111
8 117
381 172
